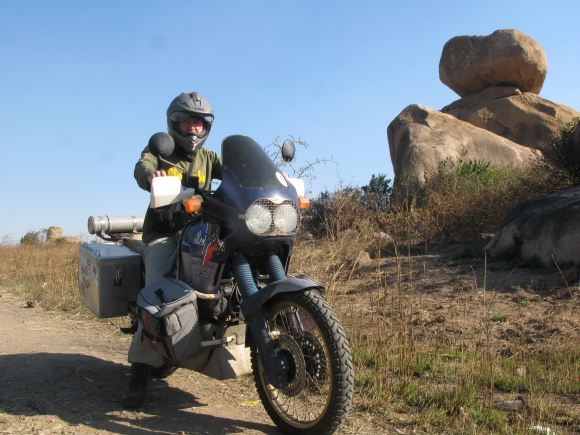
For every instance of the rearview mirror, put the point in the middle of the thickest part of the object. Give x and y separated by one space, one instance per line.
288 151
161 145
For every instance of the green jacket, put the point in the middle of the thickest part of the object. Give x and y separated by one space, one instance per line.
206 166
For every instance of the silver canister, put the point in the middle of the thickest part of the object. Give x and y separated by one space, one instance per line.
115 224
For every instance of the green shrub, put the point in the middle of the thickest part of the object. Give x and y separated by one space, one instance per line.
332 213
376 196
564 158
29 238
498 316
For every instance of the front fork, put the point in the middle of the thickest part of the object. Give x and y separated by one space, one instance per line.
275 366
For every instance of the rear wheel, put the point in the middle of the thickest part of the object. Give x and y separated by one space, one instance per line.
307 332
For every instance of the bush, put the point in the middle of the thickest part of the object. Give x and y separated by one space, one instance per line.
564 159
32 237
459 202
376 196
332 213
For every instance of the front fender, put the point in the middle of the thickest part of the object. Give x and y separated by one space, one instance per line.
252 307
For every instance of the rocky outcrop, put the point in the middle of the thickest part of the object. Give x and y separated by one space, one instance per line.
72 239
544 225
54 233
523 118
500 119
420 138
470 64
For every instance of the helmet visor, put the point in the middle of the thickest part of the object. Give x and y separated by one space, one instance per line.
178 116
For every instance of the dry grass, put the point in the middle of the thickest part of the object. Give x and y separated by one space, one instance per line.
439 358
46 273
436 349
464 199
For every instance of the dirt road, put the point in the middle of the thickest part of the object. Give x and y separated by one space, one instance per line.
63 375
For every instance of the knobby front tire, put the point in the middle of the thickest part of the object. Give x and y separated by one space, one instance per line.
320 381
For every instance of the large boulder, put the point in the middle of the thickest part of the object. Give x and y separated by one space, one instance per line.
420 138
471 64
524 118
544 225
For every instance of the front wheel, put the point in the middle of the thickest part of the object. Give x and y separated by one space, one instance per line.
307 332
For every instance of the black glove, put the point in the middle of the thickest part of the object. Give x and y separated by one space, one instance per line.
164 219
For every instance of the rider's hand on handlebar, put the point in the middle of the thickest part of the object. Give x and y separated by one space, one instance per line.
159 173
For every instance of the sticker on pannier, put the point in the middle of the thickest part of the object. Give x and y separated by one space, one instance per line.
169 317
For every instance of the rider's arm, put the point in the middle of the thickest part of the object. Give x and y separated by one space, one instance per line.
145 167
216 166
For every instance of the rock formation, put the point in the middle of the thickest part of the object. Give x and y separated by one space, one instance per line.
499 77
72 239
470 64
421 137
54 233
546 225
500 119
524 118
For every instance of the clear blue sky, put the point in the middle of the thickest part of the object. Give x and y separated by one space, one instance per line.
84 84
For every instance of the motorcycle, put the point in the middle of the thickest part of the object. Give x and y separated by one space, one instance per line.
253 315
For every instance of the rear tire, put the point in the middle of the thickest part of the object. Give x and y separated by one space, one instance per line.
320 381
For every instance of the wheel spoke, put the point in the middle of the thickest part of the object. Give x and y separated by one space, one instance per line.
300 332
296 323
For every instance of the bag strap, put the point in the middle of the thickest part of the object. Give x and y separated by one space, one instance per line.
144 331
153 338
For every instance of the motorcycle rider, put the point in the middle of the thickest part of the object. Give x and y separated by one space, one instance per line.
189 120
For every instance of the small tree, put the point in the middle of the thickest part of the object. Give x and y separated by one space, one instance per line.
32 237
376 196
564 156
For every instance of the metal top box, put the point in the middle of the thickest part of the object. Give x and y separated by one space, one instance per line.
109 250
109 278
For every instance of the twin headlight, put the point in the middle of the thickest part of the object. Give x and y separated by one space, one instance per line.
264 217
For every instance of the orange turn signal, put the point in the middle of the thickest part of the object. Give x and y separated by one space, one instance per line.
304 203
192 205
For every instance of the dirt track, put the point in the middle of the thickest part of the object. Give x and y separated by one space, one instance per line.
61 375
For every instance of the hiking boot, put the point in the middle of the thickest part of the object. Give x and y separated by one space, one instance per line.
163 371
136 393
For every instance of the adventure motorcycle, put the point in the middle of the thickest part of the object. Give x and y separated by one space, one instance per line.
252 315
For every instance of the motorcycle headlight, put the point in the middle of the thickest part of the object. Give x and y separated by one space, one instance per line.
286 218
259 218
265 217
